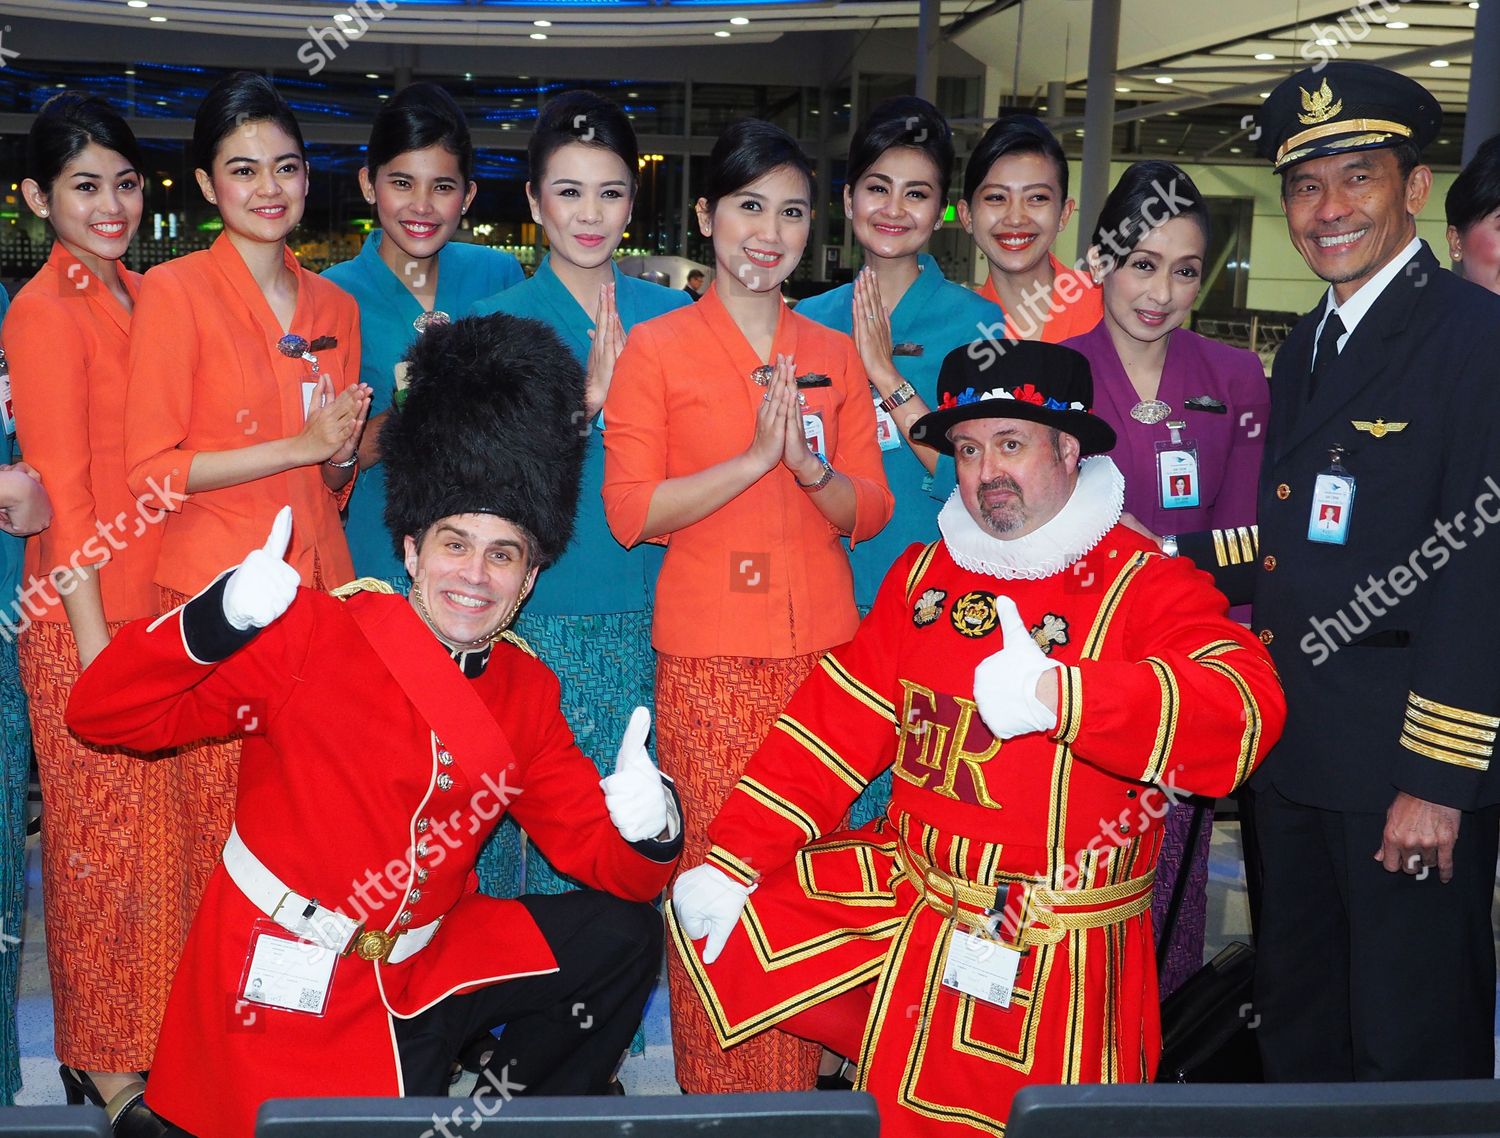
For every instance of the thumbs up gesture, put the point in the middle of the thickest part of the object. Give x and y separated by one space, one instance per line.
634 795
1005 683
264 585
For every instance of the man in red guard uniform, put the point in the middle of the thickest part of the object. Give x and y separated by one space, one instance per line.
1043 682
341 948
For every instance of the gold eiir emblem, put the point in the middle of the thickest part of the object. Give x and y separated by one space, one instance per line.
1378 429
1319 105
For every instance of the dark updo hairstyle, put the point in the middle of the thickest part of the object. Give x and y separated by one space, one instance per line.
903 121
1014 134
1475 193
230 103
748 149
581 116
1147 195
422 115
68 123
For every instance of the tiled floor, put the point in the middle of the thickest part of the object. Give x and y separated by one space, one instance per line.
651 1073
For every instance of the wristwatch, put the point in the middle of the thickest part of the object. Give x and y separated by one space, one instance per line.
903 394
823 479
1169 544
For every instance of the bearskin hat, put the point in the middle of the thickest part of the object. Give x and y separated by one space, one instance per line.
492 423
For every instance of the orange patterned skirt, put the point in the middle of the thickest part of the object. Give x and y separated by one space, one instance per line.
711 715
128 843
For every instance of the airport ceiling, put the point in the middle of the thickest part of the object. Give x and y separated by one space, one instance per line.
1173 53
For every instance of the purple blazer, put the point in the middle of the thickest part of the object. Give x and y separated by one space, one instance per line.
1230 441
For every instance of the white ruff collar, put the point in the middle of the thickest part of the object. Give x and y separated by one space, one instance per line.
1081 524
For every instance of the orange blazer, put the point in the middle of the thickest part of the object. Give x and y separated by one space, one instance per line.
766 574
67 340
205 375
1063 319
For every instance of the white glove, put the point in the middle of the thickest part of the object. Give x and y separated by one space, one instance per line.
264 586
708 903
634 795
1005 683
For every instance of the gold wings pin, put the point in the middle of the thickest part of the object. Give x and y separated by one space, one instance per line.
1378 429
1320 105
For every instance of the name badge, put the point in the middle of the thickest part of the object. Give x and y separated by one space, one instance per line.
7 408
981 967
1177 475
308 387
283 971
812 431
1332 504
887 434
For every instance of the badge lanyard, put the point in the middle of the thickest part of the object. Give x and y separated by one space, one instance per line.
1332 502
294 347
1177 470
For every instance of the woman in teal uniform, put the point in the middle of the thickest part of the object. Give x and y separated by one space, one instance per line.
589 617
410 273
904 317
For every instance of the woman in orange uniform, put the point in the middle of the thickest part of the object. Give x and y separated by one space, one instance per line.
743 436
1015 205
114 862
244 365
243 397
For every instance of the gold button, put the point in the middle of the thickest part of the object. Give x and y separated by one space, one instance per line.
1269 563
1283 491
1266 636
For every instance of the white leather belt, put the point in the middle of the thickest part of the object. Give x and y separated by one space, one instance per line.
306 918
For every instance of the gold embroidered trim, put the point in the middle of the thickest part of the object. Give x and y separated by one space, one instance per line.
1458 713
1443 756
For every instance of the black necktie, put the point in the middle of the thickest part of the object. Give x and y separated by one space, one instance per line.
1328 351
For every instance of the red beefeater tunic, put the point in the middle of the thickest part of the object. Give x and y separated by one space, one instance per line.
346 795
1158 687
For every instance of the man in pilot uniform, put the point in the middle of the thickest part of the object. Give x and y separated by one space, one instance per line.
1376 814
1030 676
341 948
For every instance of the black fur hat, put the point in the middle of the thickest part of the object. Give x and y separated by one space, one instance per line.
492 423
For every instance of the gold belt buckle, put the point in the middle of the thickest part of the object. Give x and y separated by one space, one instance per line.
374 944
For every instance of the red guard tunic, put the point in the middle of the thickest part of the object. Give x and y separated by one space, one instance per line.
346 795
1158 687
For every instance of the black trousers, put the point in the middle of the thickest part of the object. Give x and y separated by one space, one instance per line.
564 1032
1361 974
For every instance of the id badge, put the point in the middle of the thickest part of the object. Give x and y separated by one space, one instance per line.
1177 471
286 972
7 408
812 431
398 397
887 434
308 387
981 967
1332 507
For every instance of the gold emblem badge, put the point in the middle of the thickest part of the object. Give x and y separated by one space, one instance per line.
974 614
1320 105
928 608
1052 630
1378 429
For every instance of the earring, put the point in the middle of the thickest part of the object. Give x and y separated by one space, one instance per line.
41 213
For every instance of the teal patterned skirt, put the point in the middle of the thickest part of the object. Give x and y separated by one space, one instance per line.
15 765
607 668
